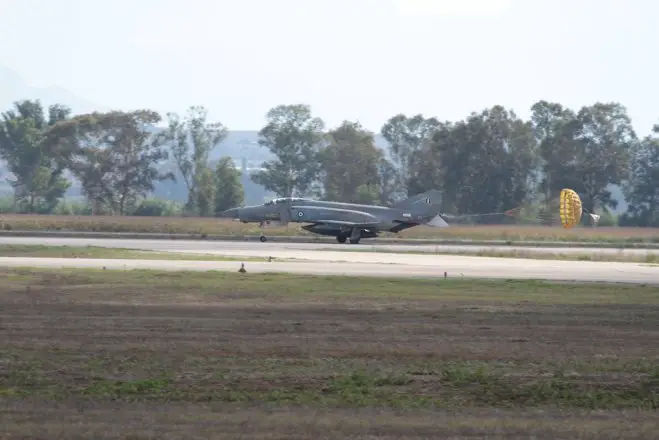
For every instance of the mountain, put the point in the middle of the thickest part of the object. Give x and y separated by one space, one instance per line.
14 88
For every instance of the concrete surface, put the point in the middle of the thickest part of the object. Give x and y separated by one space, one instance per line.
272 248
317 239
347 263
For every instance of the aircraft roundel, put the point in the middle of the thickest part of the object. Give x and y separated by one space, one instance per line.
300 213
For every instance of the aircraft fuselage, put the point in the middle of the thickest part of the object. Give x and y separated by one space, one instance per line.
339 219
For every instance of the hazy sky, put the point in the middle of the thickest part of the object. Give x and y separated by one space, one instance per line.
362 60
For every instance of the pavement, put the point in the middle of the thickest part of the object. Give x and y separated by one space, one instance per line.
257 248
328 259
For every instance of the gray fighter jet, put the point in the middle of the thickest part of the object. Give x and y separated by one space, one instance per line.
345 221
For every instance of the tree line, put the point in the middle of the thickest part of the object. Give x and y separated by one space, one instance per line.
490 161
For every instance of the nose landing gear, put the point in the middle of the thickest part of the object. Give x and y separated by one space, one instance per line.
263 237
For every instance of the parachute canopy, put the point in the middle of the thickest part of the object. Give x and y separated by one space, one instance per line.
571 209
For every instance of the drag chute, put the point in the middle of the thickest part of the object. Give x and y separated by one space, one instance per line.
571 209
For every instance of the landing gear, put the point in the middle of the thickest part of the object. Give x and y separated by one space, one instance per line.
263 239
342 239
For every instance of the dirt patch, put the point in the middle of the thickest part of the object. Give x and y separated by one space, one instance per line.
146 357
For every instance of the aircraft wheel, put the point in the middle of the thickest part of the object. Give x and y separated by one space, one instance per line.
263 239
354 241
341 239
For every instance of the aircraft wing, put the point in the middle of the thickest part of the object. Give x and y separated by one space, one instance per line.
348 224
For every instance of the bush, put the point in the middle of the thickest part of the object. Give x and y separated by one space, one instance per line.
6 204
66 207
607 219
157 208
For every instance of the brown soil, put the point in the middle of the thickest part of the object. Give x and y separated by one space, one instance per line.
76 362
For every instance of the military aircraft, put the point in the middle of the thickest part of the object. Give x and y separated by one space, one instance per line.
345 221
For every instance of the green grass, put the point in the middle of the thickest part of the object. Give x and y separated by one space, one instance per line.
41 251
344 287
294 356
463 386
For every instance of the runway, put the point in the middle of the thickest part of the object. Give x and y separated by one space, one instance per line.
326 259
259 249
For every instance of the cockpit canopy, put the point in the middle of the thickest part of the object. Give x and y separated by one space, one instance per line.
281 200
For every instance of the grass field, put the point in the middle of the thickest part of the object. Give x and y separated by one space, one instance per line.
43 251
212 226
140 354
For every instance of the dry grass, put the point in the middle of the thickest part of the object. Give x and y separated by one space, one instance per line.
94 252
212 226
141 354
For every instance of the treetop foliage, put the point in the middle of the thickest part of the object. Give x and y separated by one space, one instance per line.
490 161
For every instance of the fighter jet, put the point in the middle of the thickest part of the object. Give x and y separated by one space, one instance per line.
345 221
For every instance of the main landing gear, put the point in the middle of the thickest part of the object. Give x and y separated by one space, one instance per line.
263 238
342 239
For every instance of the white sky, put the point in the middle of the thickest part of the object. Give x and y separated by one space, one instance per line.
362 60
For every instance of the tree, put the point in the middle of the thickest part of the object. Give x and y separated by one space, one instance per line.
487 162
606 138
350 165
115 156
407 137
229 191
32 158
642 188
556 131
389 188
586 151
428 174
295 137
192 140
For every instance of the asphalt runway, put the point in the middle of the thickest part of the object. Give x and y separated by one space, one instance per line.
325 260
257 248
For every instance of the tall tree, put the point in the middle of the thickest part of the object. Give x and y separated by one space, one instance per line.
487 162
32 158
586 151
389 188
192 140
642 187
115 156
295 137
556 130
606 138
408 136
350 165
229 191
428 173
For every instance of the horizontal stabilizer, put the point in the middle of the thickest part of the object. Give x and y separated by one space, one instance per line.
437 222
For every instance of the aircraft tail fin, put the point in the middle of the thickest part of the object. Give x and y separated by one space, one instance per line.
420 203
